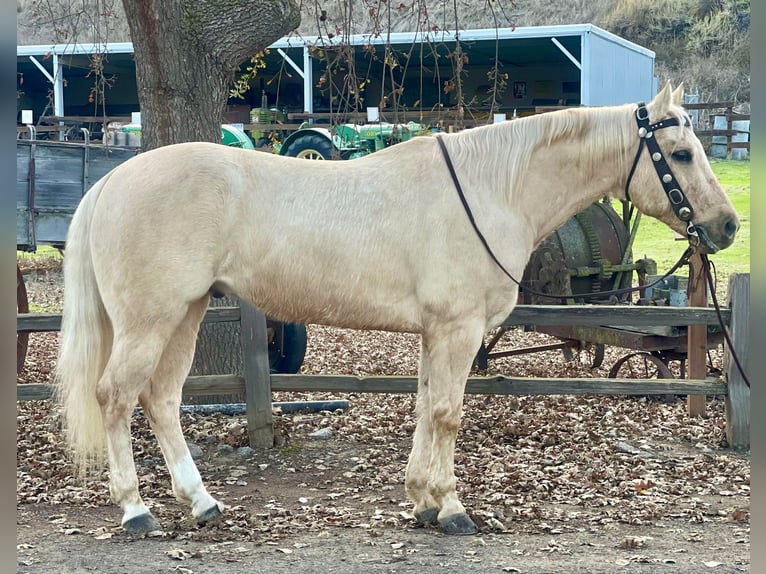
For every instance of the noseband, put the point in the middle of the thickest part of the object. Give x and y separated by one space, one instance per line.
678 201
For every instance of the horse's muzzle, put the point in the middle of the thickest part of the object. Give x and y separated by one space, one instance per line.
715 236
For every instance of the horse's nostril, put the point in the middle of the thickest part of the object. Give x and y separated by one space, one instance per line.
730 228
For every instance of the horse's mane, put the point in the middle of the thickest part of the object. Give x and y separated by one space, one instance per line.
603 136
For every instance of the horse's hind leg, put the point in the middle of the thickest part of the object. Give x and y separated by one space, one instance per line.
161 400
135 355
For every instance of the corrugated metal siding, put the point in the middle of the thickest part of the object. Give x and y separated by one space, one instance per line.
616 74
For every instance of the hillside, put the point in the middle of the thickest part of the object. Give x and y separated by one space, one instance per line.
704 43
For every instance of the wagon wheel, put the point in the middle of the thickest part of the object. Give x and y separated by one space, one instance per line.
640 365
595 353
22 306
597 359
310 146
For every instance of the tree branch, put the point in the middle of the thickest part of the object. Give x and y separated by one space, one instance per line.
234 30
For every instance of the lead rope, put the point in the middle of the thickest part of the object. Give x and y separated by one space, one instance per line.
706 265
682 261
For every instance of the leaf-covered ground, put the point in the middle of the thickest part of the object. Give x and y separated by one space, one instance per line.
556 483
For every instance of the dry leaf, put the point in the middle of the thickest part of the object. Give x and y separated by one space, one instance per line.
104 536
739 515
177 554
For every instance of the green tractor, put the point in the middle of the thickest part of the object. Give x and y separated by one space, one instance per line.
347 141
264 116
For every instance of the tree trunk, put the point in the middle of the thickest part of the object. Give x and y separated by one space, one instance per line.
187 53
218 352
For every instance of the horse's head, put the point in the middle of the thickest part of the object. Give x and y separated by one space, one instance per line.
673 180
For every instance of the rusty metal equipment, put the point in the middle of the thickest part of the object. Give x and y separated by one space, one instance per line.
590 254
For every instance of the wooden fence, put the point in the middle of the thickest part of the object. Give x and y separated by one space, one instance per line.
726 109
257 384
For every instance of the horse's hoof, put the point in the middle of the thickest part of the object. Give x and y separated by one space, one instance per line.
141 525
428 517
458 525
209 515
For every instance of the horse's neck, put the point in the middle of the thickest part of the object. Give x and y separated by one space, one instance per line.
558 184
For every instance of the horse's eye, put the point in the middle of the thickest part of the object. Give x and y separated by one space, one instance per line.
682 155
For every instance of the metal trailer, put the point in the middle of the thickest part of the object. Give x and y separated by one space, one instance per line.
51 179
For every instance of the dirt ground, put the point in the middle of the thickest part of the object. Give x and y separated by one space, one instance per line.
303 511
557 485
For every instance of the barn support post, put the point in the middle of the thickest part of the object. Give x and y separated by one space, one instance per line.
696 342
738 395
255 354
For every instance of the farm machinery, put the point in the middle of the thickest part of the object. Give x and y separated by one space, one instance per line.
346 141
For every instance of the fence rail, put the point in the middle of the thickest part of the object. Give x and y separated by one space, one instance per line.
258 384
725 109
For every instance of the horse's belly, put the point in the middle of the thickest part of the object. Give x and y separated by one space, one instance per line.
349 304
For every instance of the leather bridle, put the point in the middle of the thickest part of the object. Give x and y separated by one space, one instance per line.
670 185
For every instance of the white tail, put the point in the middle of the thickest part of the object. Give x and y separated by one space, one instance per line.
86 340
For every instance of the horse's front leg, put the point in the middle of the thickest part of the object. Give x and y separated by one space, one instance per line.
419 463
451 351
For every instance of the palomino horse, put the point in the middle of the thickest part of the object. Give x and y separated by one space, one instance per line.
387 241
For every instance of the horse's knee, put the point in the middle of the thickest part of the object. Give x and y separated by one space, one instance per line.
445 417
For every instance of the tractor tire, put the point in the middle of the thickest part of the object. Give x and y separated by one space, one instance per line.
289 358
310 146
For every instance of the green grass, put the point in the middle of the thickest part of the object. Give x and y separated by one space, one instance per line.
656 241
43 254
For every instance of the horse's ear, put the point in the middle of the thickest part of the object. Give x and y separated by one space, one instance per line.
678 95
661 103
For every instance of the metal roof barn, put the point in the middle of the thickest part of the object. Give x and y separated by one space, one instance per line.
570 65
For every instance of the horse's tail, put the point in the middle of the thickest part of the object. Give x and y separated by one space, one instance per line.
86 340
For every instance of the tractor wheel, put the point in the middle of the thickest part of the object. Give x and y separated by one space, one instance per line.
310 146
286 356
22 306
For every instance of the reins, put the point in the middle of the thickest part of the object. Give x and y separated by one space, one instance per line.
678 201
706 265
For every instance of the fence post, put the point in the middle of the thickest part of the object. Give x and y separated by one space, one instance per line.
738 395
696 338
255 354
